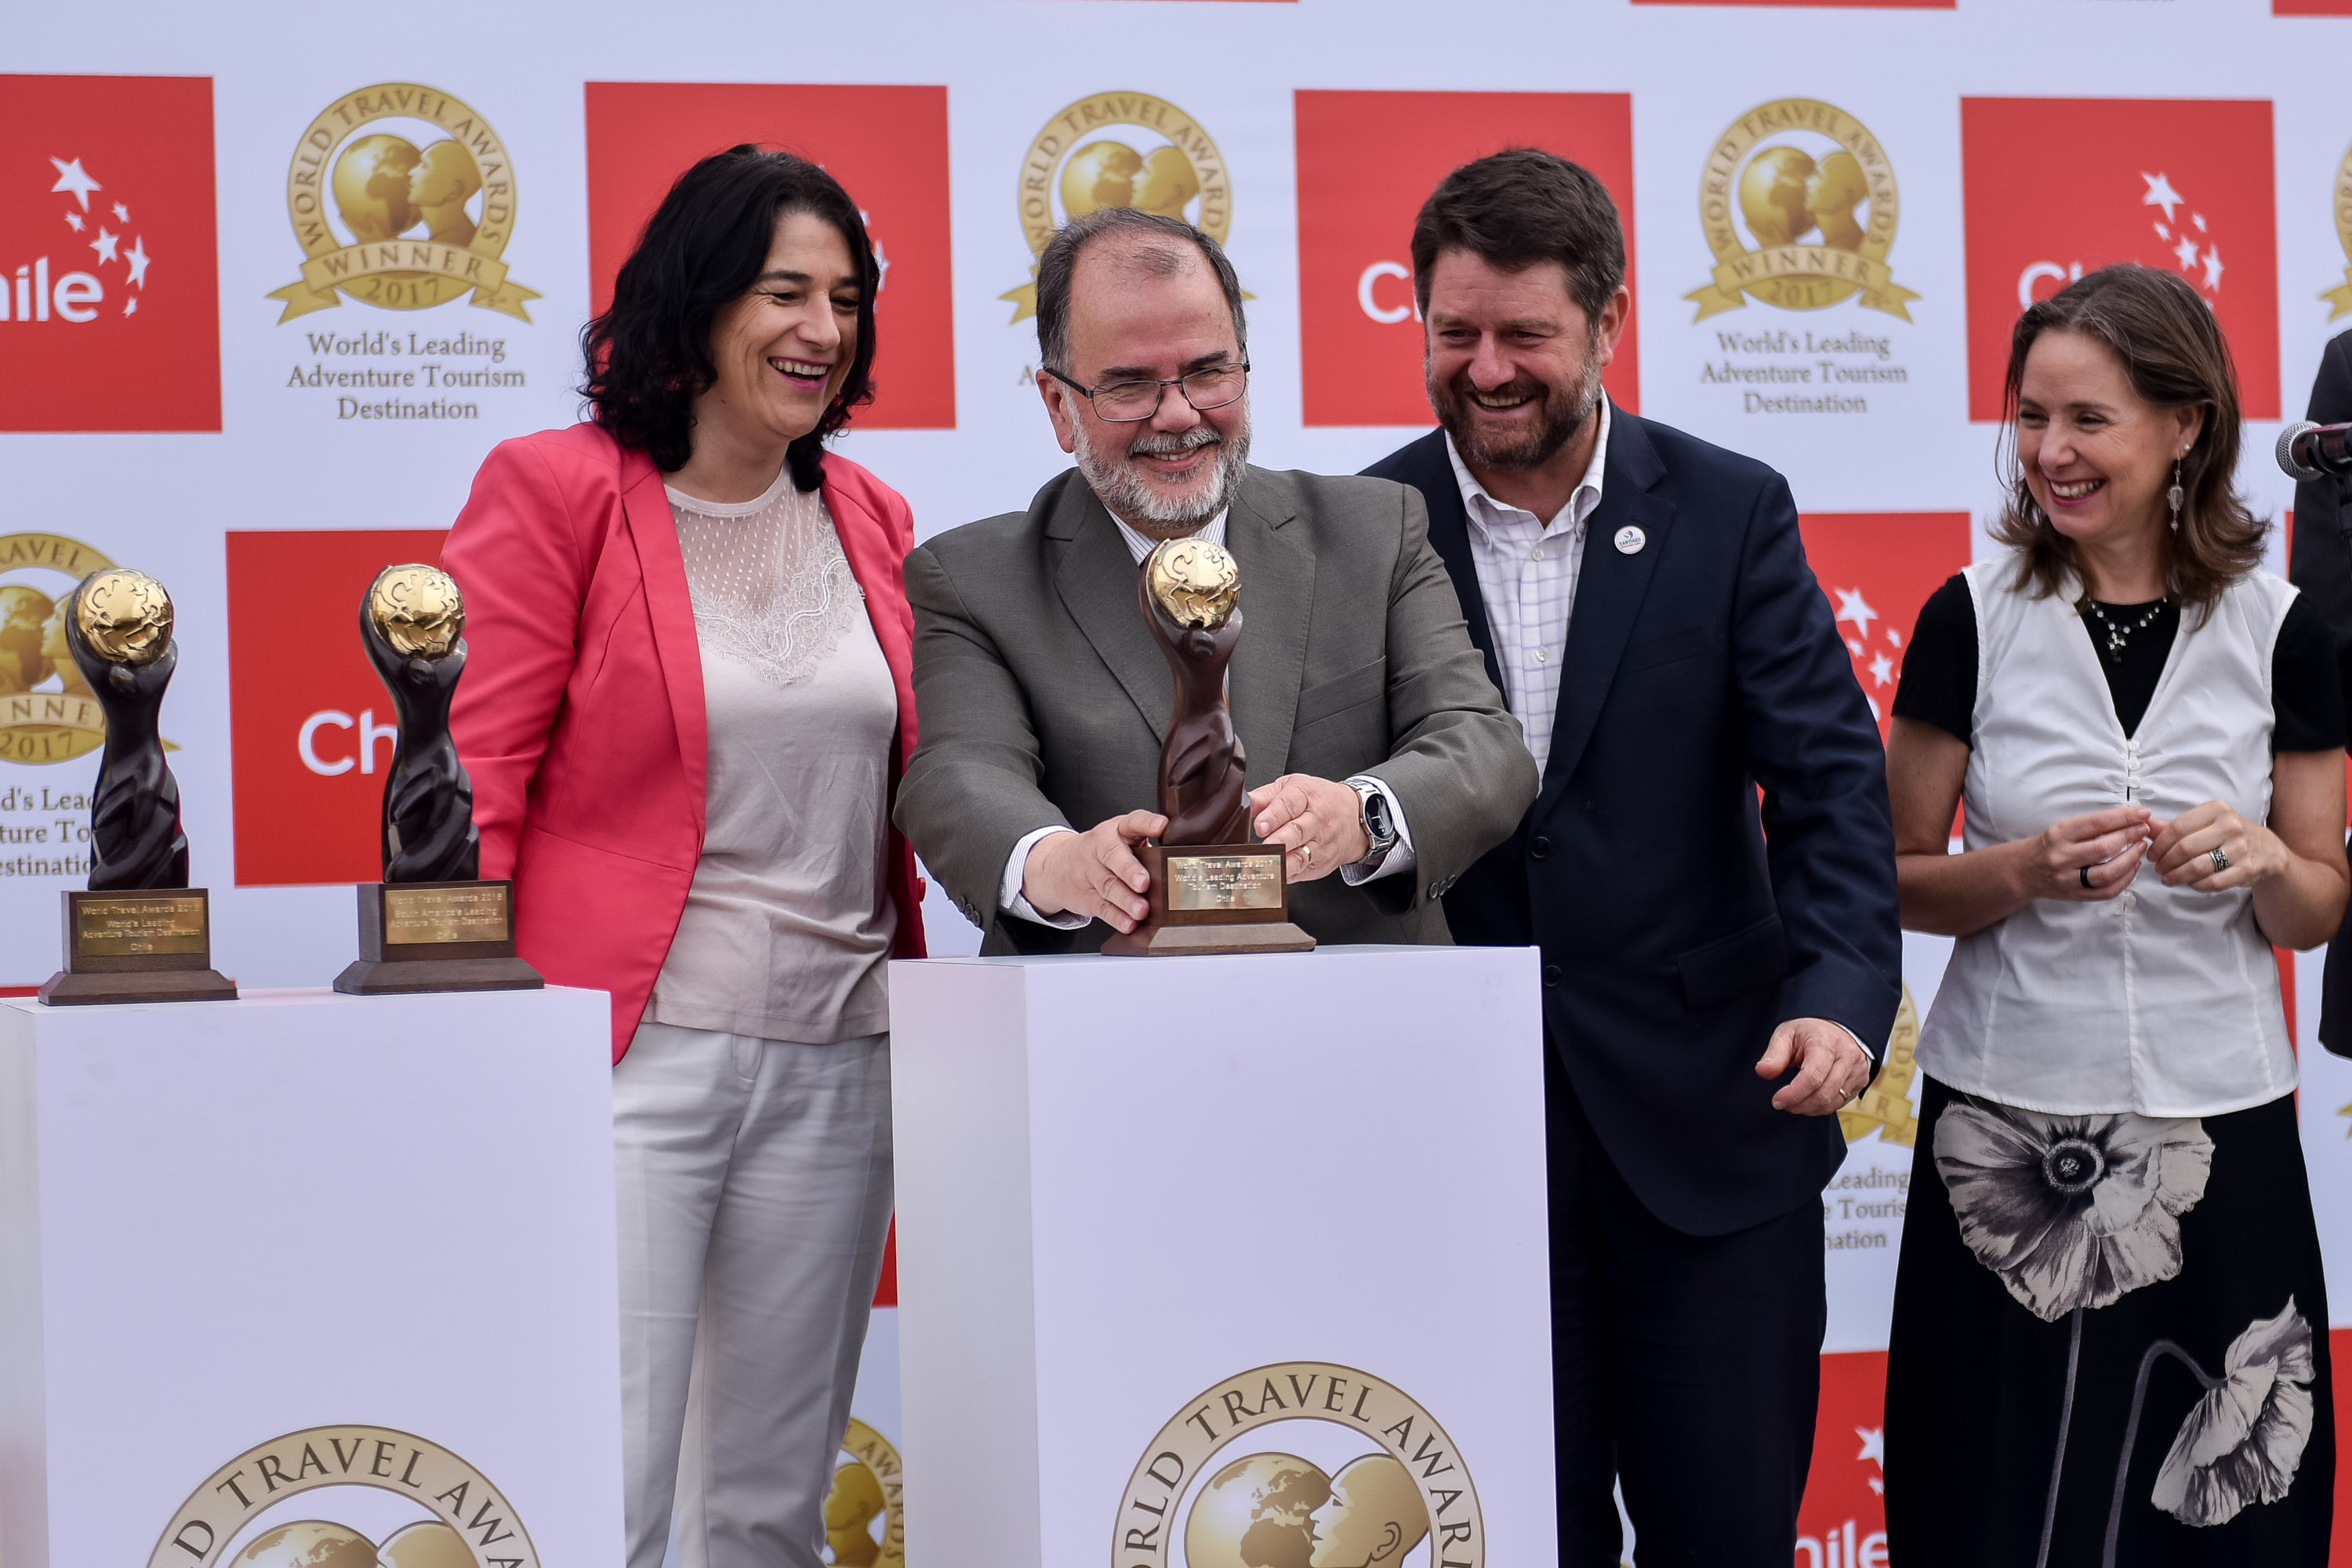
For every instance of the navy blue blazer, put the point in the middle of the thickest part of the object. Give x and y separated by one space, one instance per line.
1678 926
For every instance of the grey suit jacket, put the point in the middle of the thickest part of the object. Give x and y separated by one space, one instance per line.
1043 701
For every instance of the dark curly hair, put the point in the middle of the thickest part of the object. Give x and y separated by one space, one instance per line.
648 355
2175 356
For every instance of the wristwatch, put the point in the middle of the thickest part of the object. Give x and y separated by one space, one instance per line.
1379 823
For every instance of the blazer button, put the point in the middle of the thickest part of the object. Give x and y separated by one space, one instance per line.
1551 975
1538 846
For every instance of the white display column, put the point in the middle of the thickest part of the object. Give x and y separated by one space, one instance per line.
1214 1261
308 1273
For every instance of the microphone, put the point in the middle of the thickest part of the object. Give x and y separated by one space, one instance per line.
2310 451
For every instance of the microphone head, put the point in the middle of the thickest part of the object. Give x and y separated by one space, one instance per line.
2286 458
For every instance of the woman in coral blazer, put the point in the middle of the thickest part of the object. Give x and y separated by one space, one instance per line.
686 708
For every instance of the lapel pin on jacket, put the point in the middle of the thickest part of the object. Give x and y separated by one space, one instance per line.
1630 539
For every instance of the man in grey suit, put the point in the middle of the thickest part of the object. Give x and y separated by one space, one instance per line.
1378 748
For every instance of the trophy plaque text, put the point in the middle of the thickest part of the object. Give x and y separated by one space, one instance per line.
140 934
430 925
1212 891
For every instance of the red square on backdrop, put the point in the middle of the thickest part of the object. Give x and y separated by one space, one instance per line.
2055 187
106 254
886 145
1878 568
311 729
1843 1516
2311 7
1367 161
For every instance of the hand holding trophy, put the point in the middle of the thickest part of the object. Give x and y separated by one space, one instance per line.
1212 891
429 925
140 933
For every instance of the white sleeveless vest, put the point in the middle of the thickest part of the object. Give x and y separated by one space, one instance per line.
2163 1001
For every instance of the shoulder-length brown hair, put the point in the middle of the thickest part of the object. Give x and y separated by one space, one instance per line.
2174 355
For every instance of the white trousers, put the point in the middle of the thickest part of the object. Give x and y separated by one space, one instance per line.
754 1180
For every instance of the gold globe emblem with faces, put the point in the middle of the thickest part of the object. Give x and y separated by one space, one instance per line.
418 609
1388 1478
1117 150
125 616
318 1543
423 186
1195 581
1816 193
864 1509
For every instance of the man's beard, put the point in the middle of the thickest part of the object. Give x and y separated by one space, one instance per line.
1563 415
1143 505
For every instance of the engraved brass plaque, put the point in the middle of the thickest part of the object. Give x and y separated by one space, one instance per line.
445 914
1224 881
137 923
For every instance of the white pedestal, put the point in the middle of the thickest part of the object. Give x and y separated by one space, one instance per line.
1125 1184
224 1225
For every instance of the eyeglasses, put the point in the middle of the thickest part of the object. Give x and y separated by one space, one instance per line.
1129 401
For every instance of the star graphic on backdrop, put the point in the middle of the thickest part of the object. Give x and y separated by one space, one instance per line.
75 181
131 306
73 221
1850 606
122 213
2160 193
137 256
105 244
1881 670
2213 267
1874 1444
2186 251
1894 636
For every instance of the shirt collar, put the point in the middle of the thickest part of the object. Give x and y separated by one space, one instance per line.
1485 510
1140 545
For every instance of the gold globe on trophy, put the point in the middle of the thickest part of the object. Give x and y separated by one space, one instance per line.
308 1544
418 609
1196 582
125 616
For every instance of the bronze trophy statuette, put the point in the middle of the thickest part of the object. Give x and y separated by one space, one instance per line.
140 933
430 925
1212 891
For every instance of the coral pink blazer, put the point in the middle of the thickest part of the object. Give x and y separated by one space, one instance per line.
581 715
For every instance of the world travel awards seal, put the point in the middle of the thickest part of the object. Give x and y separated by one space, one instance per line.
1119 149
1337 1469
1797 203
431 924
140 934
403 197
2340 200
458 1517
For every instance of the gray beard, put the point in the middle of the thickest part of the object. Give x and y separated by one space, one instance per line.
1143 506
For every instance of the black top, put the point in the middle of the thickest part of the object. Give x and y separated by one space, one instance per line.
1939 672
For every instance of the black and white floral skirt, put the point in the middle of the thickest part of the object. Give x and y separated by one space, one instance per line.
2110 1343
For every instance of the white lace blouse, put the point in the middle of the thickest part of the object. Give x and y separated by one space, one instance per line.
786 933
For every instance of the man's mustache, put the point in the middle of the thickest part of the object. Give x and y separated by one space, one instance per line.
1161 446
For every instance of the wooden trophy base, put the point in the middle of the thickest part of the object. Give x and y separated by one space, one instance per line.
1213 897
436 936
155 945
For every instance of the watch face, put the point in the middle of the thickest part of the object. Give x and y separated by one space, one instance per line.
1376 815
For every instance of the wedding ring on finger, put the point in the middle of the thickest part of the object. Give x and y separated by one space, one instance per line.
2086 874
1306 856
2220 858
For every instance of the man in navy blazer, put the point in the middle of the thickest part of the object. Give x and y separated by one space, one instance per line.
1720 976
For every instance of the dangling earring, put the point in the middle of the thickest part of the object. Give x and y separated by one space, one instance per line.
2172 496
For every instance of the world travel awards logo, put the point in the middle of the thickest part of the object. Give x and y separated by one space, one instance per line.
1799 205
1341 1471
252 1512
109 309
403 197
1117 150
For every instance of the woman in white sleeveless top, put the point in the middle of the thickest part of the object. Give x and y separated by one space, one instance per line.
2110 1340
